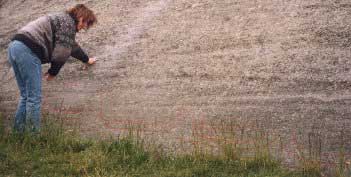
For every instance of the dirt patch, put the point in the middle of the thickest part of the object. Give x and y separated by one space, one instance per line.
169 65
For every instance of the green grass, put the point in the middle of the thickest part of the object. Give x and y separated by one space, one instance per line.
56 152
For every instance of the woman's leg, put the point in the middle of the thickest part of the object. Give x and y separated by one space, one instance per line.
20 116
29 69
33 87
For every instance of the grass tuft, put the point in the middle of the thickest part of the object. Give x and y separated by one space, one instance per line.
57 152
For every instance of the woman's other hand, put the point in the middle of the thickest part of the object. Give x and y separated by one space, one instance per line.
49 77
91 61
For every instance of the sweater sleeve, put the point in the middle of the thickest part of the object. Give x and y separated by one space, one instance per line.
78 53
55 68
59 58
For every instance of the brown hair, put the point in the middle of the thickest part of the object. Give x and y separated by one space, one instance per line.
81 11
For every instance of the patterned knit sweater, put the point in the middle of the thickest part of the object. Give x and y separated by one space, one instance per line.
52 39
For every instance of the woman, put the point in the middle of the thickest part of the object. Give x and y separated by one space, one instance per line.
49 39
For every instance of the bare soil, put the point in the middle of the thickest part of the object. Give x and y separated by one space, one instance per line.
172 65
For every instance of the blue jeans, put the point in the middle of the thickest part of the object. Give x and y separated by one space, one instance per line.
27 68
